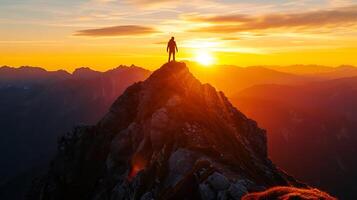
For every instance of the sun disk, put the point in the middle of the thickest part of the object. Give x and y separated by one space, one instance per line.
204 58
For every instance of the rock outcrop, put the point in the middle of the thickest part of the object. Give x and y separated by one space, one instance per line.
289 193
169 137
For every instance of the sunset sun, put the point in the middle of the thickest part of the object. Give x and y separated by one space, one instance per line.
204 58
200 99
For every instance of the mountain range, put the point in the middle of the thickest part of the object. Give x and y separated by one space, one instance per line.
301 107
309 123
168 137
38 106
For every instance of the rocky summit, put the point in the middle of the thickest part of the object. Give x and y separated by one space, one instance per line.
168 137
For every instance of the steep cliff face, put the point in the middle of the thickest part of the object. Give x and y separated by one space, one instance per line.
169 137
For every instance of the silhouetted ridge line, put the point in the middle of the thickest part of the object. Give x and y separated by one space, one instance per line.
168 137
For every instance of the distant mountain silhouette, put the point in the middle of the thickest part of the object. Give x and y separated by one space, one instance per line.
38 106
312 130
29 75
232 79
85 73
318 71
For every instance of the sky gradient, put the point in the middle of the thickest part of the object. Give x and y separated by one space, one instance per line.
102 34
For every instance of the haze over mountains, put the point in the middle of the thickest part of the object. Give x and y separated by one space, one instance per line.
301 110
318 71
315 124
38 106
232 79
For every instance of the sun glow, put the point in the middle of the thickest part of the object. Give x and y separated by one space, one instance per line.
205 58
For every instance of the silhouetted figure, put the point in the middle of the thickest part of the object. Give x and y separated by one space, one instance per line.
172 48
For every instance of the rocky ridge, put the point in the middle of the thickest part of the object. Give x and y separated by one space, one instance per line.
168 137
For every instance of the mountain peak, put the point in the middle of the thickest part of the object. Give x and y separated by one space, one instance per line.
170 69
168 137
85 72
172 76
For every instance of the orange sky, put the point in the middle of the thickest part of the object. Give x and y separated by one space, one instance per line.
102 34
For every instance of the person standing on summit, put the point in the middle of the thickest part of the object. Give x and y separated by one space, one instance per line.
172 48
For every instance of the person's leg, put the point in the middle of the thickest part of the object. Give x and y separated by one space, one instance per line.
169 56
173 55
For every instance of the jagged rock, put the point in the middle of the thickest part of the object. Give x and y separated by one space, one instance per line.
159 119
218 181
206 192
180 163
237 190
169 137
222 195
289 193
173 101
147 196
120 192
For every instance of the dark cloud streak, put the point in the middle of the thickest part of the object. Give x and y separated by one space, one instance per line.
126 30
239 23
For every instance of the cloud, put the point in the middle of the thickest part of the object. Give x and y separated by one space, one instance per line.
219 18
160 43
230 38
126 30
173 5
146 2
313 19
